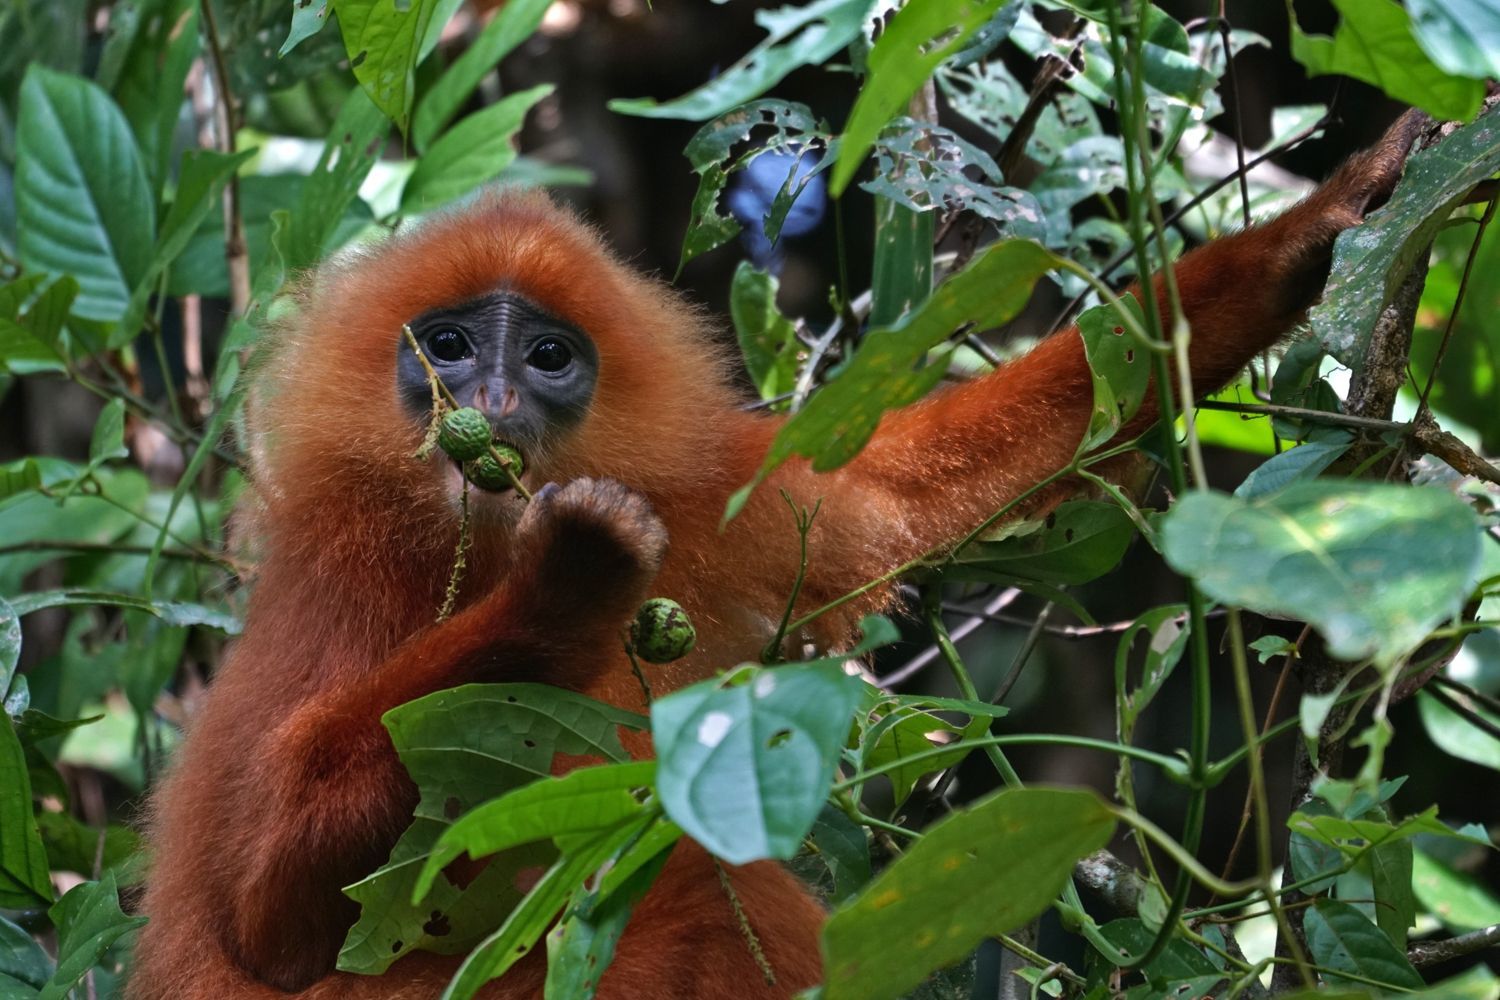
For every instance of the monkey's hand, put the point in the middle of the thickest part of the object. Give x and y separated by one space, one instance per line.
592 544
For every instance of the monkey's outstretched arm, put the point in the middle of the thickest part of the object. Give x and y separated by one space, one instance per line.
328 781
949 461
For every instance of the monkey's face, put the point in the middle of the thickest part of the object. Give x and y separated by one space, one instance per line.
530 372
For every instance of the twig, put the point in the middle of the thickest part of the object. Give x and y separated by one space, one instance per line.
1432 952
751 940
1470 716
960 632
236 256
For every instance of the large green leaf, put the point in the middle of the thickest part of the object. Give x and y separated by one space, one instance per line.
23 861
1371 260
745 761
799 36
581 802
10 644
1343 939
1461 36
88 921
383 39
470 153
983 871
464 747
1458 736
23 963
1078 542
84 206
917 39
1462 901
888 369
511 26
1373 567
1374 43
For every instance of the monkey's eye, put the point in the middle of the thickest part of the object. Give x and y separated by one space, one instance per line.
449 344
550 355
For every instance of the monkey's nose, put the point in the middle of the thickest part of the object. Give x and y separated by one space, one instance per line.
509 401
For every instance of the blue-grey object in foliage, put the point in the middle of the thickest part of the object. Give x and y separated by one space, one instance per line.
753 191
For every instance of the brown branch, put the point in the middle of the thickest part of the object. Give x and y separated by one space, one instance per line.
1432 952
236 256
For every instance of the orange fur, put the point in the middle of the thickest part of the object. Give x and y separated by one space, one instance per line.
287 787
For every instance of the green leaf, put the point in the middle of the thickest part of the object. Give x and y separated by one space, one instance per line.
1456 735
768 340
745 761
799 36
1371 260
512 24
1459 899
907 731
308 18
582 944
902 267
152 78
200 267
23 861
382 38
470 153
1166 629
793 130
1120 367
181 613
1343 939
581 802
942 897
10 644
84 206
88 920
352 148
1461 36
1079 541
844 847
1299 464
887 370
917 39
1180 972
1374 43
464 747
1374 568
527 922
22 960
108 440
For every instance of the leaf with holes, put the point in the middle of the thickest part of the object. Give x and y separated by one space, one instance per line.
985 870
1120 366
745 761
915 41
1078 542
465 747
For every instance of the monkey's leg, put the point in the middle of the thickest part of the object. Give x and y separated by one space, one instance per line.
331 794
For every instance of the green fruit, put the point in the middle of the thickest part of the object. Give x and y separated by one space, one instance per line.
488 474
661 631
465 434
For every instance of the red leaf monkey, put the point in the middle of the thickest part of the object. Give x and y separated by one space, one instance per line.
287 786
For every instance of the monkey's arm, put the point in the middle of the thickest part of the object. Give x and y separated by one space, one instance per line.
941 466
328 789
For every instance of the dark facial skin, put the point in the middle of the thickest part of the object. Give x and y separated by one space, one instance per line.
531 373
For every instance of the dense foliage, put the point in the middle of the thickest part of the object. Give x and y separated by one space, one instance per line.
159 163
